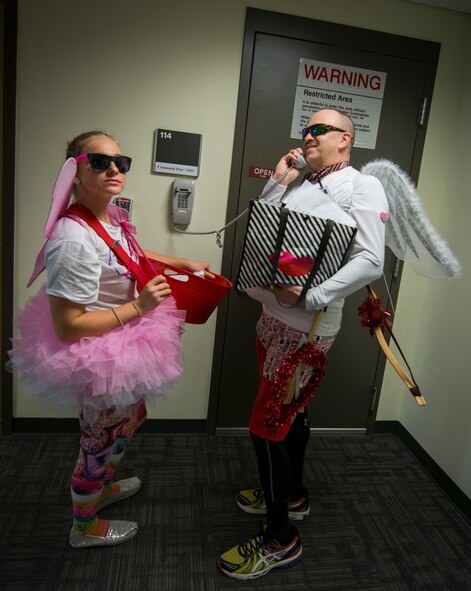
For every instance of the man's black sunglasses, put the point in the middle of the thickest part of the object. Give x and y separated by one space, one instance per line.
319 129
101 162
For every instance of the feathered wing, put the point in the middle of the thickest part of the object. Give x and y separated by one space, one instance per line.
409 233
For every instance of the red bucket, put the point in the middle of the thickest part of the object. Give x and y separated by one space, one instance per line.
199 296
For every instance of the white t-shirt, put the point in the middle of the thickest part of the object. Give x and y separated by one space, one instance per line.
363 198
83 269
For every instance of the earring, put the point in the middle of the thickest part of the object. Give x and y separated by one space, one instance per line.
76 181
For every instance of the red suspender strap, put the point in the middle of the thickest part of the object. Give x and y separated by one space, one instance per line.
87 216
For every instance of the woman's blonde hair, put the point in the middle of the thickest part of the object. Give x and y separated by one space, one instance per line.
76 145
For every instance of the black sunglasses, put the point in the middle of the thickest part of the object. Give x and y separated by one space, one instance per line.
101 162
319 129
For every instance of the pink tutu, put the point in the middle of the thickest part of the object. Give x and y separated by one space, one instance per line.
137 361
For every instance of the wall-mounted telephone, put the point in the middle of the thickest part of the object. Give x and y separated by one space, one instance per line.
182 201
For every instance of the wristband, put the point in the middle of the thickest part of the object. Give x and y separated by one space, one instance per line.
117 317
136 307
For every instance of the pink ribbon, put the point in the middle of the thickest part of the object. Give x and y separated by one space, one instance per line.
119 217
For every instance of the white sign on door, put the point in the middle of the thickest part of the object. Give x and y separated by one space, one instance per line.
356 91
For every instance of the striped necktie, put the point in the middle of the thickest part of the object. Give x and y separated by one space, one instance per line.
316 176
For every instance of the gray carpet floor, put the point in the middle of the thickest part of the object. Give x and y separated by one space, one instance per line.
378 521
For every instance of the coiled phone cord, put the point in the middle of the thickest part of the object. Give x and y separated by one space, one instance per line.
218 233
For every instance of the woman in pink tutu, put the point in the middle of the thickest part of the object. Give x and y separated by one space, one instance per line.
89 338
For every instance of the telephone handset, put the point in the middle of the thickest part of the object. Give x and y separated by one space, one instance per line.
300 163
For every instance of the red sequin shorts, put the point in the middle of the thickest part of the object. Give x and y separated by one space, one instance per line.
275 341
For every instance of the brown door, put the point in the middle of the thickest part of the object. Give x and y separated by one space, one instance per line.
8 27
274 45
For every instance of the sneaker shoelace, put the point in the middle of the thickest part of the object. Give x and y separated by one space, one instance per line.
252 545
258 493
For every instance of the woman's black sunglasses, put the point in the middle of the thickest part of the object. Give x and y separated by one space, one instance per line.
319 129
101 162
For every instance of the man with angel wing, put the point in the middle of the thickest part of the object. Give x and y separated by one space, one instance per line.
280 439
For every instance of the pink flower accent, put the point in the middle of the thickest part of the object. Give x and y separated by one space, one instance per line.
384 216
118 216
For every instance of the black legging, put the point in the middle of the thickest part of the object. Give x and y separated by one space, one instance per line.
281 466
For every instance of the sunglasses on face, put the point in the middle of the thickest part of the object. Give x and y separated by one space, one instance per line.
319 129
101 162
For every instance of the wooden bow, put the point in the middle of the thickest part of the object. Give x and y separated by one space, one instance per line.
376 323
376 326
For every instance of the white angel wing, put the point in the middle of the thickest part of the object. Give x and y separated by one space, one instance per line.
409 233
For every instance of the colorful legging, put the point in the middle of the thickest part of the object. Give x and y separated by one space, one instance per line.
105 436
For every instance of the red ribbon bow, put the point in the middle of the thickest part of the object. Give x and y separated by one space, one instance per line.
373 315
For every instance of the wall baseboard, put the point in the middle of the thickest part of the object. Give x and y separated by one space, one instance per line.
198 427
167 426
452 490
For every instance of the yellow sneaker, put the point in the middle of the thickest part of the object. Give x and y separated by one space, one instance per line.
258 555
251 500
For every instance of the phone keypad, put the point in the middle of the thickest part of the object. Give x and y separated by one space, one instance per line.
182 201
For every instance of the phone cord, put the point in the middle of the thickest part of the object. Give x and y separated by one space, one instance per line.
267 189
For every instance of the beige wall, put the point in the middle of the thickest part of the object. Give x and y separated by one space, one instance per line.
132 67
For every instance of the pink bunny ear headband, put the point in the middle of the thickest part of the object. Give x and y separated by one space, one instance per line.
60 200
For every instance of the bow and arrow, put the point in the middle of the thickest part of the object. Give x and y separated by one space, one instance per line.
413 239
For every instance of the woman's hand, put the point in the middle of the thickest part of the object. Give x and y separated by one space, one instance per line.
196 266
192 265
153 294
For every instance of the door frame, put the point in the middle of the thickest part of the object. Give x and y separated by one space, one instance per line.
283 25
7 200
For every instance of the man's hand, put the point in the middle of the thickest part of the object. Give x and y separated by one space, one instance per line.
284 164
288 294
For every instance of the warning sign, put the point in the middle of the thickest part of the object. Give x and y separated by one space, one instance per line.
356 91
